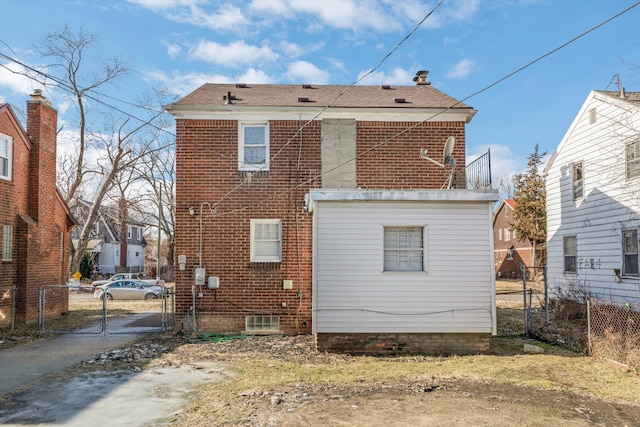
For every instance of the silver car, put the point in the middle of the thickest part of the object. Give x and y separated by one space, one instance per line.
128 289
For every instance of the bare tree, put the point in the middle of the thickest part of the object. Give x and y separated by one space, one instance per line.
74 71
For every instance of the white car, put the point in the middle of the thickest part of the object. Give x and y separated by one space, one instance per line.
129 289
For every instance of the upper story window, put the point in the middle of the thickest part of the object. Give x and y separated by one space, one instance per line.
507 234
266 240
499 233
633 159
404 249
129 232
253 147
139 233
578 185
6 149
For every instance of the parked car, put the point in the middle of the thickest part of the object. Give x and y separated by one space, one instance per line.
129 289
143 277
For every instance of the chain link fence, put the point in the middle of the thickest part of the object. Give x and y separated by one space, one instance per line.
8 300
614 331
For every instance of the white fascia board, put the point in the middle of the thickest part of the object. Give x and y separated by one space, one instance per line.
316 113
320 195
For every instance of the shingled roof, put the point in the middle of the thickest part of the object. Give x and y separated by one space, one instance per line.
333 96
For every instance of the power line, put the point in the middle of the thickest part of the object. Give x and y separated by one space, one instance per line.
386 141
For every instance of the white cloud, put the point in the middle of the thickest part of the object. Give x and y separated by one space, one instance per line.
12 78
173 50
181 84
255 76
236 54
226 17
306 72
345 14
462 69
398 76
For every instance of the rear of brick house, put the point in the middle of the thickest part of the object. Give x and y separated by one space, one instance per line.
247 158
35 220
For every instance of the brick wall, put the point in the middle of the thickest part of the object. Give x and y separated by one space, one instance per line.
399 344
207 175
31 203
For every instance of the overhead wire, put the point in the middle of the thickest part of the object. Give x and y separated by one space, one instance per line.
415 125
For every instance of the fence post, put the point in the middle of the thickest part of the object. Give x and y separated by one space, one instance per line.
546 296
14 299
523 270
589 327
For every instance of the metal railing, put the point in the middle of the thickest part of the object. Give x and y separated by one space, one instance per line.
477 174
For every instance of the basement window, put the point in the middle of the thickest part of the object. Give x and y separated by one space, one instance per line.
262 323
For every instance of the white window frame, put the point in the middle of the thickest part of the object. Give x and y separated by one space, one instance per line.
254 241
398 249
129 232
632 159
577 180
139 233
242 164
507 234
499 233
6 149
7 243
626 254
567 256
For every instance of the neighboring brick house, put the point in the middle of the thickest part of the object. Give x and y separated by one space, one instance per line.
247 158
509 251
110 251
35 220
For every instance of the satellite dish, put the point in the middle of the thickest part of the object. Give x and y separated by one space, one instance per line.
448 150
447 159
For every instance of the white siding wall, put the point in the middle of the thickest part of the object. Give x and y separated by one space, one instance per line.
610 202
352 294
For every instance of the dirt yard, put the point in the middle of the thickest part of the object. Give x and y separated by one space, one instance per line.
283 382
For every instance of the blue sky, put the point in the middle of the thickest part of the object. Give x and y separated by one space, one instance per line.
467 45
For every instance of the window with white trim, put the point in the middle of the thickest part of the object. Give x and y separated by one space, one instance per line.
129 232
6 156
507 234
499 233
7 243
570 252
578 185
630 253
404 249
633 159
266 240
253 147
139 233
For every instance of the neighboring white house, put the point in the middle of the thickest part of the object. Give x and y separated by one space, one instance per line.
593 201
106 241
403 270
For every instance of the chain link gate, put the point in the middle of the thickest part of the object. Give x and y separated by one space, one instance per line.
87 314
518 308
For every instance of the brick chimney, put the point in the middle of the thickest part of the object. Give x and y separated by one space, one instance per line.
42 122
421 78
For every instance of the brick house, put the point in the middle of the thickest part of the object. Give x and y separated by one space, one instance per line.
510 252
35 220
247 160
